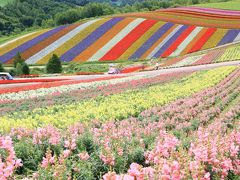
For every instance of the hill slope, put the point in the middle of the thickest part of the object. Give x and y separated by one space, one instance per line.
231 5
131 36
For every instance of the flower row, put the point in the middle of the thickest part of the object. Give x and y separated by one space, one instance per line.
81 94
123 105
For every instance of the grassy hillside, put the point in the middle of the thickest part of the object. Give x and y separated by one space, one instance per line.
230 5
4 2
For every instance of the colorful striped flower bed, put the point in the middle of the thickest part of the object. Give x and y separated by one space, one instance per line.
206 17
158 34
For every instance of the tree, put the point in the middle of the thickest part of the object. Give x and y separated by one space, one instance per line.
19 69
25 69
67 17
1 67
17 59
195 1
54 65
27 21
1 26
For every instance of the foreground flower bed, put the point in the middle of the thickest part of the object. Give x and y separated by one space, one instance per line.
194 137
123 105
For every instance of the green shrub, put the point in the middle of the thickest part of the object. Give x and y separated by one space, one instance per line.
1 67
137 156
85 170
17 59
54 65
37 70
19 68
25 68
30 154
98 167
86 143
13 72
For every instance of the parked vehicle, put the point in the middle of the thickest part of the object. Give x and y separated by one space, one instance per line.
5 76
113 69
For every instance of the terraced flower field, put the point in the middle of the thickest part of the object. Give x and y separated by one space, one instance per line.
223 54
187 127
230 54
199 16
132 36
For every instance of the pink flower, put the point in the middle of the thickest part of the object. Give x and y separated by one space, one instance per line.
84 156
120 151
108 159
66 153
48 160
8 165
207 176
70 144
110 176
18 163
49 133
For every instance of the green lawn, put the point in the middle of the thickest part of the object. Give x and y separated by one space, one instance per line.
4 2
230 5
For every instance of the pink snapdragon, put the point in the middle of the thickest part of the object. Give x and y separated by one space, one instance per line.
84 156
108 159
70 144
49 133
11 163
48 160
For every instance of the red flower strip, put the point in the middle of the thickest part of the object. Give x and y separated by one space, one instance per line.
54 84
29 81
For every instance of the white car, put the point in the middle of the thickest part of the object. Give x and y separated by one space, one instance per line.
5 76
113 70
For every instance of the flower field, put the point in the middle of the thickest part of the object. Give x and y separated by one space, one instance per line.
207 17
230 54
169 126
164 33
222 54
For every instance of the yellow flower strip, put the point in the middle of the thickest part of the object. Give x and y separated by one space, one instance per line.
231 54
140 41
74 41
10 46
215 39
117 106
